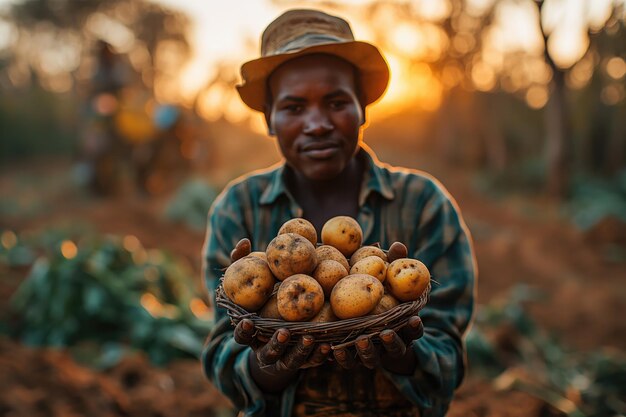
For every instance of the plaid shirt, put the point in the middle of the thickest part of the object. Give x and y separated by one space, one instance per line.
394 205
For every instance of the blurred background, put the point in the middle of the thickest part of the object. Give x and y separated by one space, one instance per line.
119 124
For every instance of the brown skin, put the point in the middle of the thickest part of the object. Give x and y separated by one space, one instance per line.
315 105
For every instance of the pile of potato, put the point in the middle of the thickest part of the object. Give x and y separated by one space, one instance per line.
339 279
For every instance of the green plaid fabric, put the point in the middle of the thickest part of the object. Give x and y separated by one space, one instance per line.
394 205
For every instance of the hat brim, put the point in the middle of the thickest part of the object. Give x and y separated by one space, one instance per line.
373 69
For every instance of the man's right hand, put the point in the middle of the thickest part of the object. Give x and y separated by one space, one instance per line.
276 355
243 248
274 364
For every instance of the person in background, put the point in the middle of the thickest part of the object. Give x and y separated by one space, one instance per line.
313 83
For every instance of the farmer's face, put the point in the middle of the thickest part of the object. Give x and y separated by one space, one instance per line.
315 114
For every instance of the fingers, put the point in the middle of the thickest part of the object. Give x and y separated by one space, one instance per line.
274 349
393 344
413 330
242 249
297 356
319 356
368 353
344 358
244 332
397 250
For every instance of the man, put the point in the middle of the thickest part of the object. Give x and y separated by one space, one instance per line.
313 82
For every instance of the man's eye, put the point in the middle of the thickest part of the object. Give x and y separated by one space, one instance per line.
338 104
293 108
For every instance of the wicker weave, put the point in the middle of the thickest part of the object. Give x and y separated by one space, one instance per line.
339 333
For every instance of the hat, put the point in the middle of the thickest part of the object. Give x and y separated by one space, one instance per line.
303 32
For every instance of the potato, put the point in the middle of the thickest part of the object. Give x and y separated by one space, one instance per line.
386 303
407 279
343 233
249 283
371 265
365 251
356 295
289 254
300 227
300 298
328 252
258 254
328 273
270 309
325 315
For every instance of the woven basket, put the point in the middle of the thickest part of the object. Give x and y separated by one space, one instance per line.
338 334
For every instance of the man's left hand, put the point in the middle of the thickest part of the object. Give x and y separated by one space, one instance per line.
393 354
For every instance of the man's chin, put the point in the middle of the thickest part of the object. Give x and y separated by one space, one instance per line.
323 173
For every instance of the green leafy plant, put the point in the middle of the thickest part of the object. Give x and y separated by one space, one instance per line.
113 293
595 198
508 347
191 204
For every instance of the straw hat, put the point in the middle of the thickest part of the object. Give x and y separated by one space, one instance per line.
303 32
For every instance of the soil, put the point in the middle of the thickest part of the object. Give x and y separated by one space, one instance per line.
517 240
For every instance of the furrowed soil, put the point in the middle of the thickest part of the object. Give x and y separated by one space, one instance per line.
517 240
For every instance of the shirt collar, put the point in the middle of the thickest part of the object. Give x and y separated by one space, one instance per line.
276 186
374 180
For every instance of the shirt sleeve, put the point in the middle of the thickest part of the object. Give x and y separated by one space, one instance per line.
444 246
224 361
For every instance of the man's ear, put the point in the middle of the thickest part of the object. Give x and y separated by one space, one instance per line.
268 121
363 113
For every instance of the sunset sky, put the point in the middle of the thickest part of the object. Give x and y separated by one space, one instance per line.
224 32
227 34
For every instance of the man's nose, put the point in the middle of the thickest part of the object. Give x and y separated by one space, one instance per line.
317 123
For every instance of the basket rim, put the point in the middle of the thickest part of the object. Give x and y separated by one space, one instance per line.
339 333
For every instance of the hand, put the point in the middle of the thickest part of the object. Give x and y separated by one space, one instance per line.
276 356
392 354
243 248
397 250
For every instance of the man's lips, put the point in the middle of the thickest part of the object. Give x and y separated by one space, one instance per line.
320 150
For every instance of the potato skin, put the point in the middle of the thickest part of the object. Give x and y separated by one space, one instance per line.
407 279
270 309
365 251
289 254
371 265
356 295
344 233
328 273
258 254
386 303
249 282
299 298
325 315
329 252
301 227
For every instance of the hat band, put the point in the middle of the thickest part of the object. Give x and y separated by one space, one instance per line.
308 40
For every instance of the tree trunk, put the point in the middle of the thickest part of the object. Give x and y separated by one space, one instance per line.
557 137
